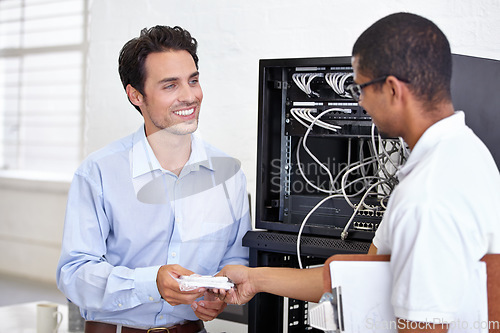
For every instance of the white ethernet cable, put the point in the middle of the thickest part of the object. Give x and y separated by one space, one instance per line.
310 153
304 176
305 114
304 223
303 81
344 178
368 161
344 233
380 158
403 154
381 146
337 82
346 227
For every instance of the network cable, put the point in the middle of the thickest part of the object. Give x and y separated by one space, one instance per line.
387 153
337 81
303 81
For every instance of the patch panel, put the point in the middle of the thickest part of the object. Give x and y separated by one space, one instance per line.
366 226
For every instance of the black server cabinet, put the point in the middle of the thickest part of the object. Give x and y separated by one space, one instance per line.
286 194
291 182
288 176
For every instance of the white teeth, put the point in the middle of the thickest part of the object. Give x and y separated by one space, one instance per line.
184 112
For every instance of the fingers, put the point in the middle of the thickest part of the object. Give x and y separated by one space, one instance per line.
233 297
182 297
220 294
208 308
169 287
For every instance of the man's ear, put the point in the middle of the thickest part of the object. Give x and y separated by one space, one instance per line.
134 95
397 88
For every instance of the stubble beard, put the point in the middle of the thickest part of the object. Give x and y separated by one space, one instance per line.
184 128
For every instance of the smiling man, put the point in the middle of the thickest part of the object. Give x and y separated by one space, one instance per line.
155 205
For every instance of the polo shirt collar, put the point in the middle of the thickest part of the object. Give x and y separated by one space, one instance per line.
431 137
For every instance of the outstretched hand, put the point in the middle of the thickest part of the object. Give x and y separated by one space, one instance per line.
244 289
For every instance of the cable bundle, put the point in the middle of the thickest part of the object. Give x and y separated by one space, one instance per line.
338 83
303 81
386 158
305 114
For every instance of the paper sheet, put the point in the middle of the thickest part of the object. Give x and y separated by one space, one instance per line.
366 298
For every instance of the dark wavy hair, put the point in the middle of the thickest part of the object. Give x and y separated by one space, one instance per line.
411 48
132 59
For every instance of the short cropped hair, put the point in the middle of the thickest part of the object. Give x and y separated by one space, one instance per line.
412 48
132 59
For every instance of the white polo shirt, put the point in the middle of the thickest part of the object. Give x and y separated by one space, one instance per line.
441 217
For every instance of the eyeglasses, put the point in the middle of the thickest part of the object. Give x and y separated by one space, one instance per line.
355 89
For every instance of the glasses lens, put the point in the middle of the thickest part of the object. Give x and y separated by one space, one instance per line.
355 90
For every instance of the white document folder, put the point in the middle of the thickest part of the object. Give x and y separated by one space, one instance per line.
366 298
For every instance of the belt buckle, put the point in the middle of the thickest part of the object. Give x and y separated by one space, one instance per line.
158 329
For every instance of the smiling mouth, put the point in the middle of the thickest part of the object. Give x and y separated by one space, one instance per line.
185 112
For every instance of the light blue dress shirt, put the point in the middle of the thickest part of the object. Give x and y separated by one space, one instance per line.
127 216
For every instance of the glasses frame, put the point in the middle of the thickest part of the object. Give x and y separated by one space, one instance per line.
356 89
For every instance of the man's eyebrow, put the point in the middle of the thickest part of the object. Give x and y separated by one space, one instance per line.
172 79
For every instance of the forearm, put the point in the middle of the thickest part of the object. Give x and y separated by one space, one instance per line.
302 284
106 287
84 274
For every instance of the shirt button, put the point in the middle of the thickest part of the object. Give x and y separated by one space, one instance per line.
151 298
120 305
161 317
174 254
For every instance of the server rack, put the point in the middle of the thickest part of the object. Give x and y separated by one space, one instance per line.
286 195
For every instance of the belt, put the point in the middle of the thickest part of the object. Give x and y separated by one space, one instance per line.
188 327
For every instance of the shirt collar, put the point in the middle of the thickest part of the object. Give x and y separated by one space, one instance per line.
428 140
143 159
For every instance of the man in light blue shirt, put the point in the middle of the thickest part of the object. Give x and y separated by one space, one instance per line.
155 205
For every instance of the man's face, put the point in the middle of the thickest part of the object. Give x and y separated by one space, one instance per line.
375 101
172 93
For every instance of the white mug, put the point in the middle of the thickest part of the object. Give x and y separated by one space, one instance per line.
48 318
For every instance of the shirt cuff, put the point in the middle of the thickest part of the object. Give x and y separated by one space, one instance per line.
145 284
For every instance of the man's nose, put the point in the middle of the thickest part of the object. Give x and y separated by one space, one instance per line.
187 94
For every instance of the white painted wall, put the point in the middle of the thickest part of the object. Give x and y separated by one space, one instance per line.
31 221
233 35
